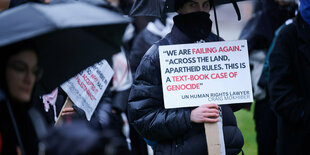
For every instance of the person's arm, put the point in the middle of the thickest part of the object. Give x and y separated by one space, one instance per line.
146 106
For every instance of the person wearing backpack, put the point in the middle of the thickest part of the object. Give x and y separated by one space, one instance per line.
289 84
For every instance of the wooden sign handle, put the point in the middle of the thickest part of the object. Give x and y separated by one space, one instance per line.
213 138
67 104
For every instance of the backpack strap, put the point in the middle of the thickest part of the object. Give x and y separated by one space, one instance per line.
265 74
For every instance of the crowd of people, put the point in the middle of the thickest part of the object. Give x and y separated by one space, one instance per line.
131 113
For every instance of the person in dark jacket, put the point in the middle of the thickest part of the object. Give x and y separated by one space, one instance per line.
19 72
178 131
259 32
289 84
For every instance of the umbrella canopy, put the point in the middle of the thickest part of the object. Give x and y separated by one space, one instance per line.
157 8
69 37
94 2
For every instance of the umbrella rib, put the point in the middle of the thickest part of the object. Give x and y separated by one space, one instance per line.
45 16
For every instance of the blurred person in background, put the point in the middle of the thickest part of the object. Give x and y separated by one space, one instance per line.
154 31
259 32
289 85
19 72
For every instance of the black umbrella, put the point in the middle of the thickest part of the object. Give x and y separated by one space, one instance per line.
157 8
69 37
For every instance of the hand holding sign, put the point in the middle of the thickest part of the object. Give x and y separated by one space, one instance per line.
67 111
207 113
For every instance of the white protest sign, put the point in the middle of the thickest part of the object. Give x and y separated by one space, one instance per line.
202 73
87 88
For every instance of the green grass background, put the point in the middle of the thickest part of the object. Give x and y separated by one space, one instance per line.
246 124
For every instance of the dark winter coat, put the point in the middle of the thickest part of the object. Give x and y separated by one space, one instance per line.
25 128
171 128
144 40
78 138
289 86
